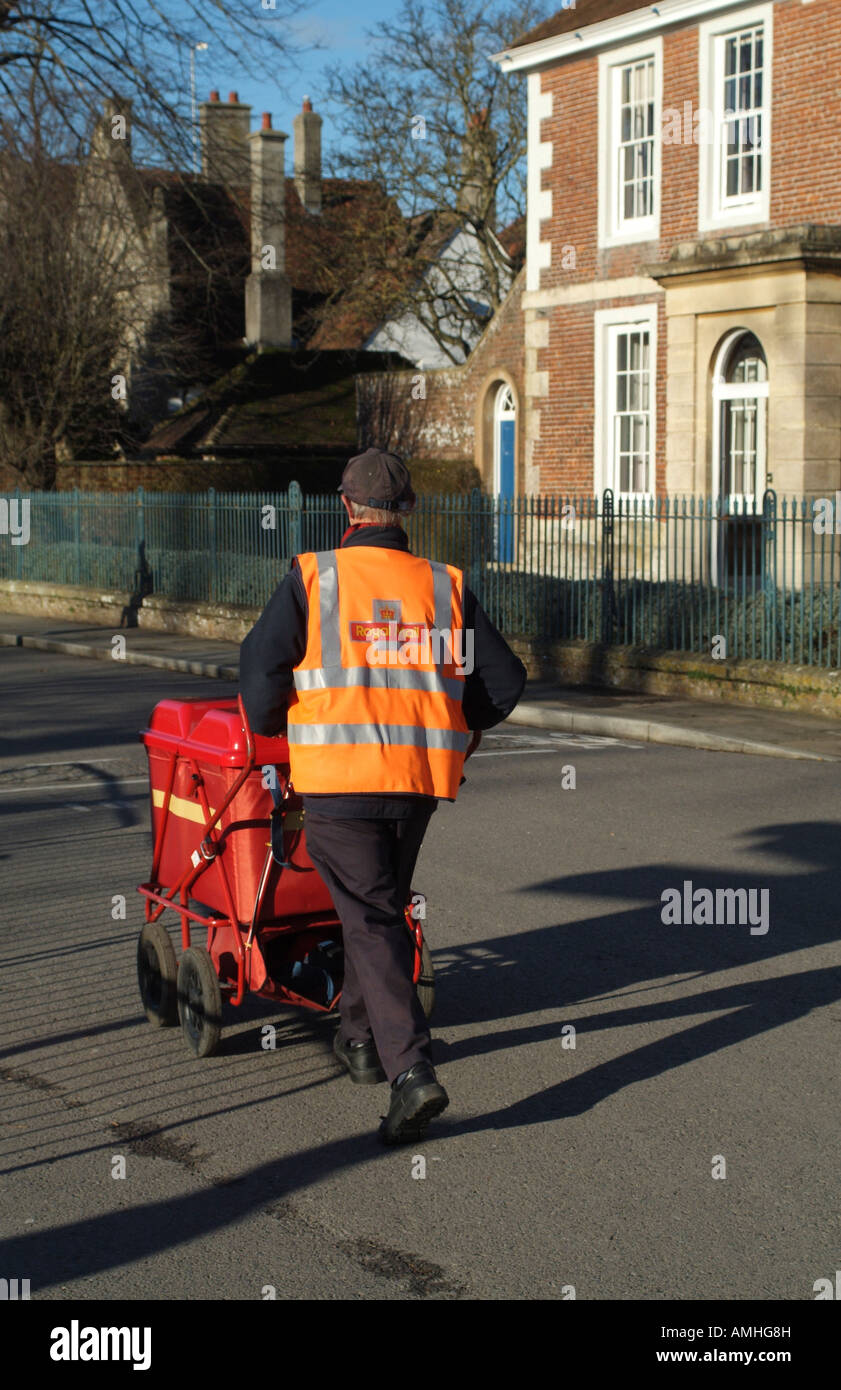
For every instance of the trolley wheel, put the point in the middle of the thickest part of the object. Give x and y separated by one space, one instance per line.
199 1001
425 986
157 972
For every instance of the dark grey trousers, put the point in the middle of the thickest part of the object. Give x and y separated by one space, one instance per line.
368 866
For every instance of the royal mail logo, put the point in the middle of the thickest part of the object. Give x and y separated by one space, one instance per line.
380 632
385 625
391 642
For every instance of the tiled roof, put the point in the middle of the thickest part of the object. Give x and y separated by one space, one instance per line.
513 240
372 295
586 12
273 401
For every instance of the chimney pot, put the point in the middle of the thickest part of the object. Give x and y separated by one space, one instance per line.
307 104
232 96
214 95
267 120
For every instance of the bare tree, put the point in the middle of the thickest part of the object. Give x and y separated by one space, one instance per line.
108 266
59 319
390 411
72 53
115 283
429 117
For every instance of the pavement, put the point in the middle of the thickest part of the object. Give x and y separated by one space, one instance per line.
700 724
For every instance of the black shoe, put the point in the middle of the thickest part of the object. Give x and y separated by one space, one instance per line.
416 1100
361 1060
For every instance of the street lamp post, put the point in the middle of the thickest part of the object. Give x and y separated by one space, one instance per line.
193 114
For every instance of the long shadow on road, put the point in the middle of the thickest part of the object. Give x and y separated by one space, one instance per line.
584 957
96 1244
632 952
755 1008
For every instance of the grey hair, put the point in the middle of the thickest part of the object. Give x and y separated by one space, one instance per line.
359 512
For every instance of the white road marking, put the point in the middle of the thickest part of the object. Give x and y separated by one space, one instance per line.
68 786
549 740
67 762
593 742
507 753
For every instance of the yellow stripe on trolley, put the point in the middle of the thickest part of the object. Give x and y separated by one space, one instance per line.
180 806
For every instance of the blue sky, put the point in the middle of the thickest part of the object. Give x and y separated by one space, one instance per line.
339 25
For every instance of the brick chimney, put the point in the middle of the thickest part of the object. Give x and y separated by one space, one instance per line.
477 170
224 128
307 129
268 293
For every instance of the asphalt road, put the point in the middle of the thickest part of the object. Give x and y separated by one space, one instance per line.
555 1166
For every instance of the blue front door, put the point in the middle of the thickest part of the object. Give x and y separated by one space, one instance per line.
505 531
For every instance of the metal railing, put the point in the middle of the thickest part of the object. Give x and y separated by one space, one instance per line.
731 577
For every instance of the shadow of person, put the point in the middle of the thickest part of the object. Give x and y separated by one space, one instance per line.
633 953
110 1240
754 1008
143 584
530 969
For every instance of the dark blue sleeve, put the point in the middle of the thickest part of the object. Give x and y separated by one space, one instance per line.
274 646
496 683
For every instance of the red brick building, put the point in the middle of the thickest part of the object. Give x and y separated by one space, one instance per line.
682 304
677 328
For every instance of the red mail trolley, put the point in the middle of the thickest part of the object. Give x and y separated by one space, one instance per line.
226 859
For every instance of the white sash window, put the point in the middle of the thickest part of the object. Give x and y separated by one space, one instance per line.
625 372
735 61
630 117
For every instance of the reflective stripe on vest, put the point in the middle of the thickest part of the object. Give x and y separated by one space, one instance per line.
328 590
408 734
356 724
325 678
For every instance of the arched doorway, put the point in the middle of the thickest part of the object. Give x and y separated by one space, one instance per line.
740 445
740 402
504 432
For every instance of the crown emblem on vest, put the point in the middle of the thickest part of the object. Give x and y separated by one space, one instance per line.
385 625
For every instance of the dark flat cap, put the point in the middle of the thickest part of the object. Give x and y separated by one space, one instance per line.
378 479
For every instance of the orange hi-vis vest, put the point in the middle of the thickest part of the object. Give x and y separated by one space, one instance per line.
378 695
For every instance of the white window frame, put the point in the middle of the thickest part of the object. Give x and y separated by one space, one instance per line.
714 211
741 503
501 414
612 231
604 463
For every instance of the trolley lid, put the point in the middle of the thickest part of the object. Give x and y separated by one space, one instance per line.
210 730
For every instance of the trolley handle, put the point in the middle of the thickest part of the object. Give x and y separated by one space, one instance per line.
249 736
245 772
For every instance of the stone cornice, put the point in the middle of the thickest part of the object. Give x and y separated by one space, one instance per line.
805 245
